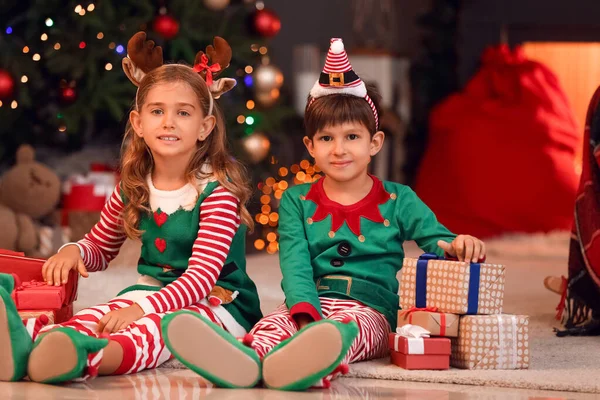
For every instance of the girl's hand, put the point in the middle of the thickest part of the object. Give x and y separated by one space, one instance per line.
55 270
120 319
465 248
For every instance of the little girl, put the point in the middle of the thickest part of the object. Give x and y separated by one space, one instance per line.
340 242
183 196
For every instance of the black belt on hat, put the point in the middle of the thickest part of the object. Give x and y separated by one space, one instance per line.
337 78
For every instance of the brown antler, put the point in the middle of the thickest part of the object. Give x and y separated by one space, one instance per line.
142 57
144 53
220 54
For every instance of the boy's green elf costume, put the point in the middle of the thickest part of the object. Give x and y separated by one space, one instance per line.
359 252
354 252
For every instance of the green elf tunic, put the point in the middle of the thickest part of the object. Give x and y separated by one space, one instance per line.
167 243
351 252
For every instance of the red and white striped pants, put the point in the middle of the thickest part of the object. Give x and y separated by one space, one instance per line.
143 346
373 329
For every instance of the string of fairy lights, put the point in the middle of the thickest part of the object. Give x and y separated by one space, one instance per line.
265 79
68 91
272 190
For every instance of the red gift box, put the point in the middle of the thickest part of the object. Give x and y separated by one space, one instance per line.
431 362
34 295
30 269
419 353
90 192
82 197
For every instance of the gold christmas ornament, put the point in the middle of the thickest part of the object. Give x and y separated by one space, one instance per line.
257 146
216 5
267 77
267 98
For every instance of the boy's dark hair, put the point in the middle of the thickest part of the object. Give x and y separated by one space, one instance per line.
337 109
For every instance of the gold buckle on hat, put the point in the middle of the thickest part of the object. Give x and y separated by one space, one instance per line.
336 79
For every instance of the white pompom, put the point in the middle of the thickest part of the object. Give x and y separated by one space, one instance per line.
337 46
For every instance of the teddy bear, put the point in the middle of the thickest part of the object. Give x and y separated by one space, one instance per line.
28 191
219 296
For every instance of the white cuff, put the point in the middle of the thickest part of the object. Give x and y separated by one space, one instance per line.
146 306
76 244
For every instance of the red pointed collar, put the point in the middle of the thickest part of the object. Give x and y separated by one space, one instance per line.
367 208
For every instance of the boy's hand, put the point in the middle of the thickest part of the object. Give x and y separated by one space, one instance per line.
55 270
465 248
120 319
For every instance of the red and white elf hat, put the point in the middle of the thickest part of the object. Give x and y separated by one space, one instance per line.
339 78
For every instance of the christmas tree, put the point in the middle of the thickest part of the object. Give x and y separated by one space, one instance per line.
62 85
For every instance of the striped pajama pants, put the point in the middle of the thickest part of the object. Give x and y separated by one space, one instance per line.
143 346
373 329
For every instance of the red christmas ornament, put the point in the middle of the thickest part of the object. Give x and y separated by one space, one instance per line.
266 23
68 95
166 26
7 84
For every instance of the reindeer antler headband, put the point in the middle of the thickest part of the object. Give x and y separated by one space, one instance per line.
143 56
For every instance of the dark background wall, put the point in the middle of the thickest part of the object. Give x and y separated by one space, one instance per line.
316 21
481 25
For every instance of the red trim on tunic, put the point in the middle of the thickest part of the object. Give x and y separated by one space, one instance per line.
367 208
305 308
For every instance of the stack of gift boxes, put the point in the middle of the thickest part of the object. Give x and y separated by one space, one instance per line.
451 315
84 197
32 296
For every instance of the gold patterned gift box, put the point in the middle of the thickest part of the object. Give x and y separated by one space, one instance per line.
491 342
27 314
437 323
452 286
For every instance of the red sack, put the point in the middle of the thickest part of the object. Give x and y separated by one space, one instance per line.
501 154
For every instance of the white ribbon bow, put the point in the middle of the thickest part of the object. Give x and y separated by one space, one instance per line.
414 334
412 331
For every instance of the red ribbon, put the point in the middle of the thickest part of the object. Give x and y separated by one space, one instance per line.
30 284
442 324
210 69
410 311
415 309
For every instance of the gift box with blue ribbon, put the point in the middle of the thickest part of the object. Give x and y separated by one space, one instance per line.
452 286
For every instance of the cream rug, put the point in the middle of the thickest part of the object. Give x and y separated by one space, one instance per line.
565 364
